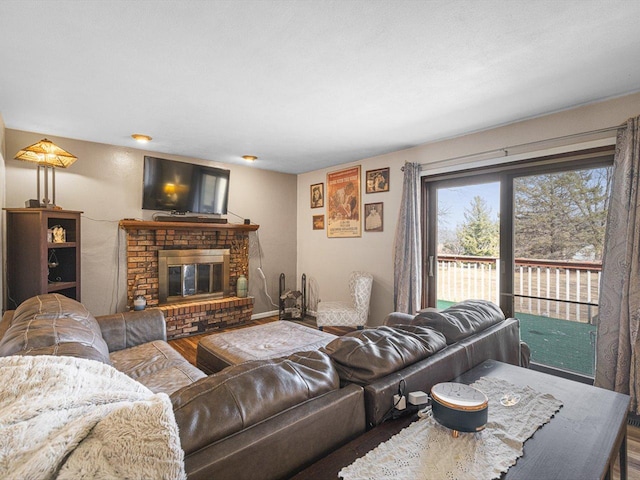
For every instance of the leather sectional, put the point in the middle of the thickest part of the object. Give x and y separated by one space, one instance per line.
280 415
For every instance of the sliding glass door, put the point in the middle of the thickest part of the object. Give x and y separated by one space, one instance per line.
559 221
528 237
468 243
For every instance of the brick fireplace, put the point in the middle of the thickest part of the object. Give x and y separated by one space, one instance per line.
191 315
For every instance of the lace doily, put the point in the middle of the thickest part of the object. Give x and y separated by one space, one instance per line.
426 450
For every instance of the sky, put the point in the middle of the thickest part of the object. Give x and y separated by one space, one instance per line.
455 200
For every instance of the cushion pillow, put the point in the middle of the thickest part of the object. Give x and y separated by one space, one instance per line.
53 324
363 356
462 319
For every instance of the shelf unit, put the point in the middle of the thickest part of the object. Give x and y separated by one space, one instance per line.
30 251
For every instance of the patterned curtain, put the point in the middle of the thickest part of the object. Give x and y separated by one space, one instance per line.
618 344
407 278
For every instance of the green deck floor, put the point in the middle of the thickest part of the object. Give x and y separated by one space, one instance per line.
555 342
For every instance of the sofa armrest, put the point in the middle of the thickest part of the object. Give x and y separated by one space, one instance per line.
128 329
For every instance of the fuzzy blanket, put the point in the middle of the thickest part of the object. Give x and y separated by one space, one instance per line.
71 418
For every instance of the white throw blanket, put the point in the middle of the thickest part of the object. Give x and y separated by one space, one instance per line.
70 418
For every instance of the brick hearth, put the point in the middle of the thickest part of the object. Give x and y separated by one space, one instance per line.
145 238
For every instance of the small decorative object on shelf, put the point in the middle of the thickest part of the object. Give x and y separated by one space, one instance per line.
241 286
139 303
59 234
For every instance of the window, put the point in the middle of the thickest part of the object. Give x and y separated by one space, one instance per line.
528 236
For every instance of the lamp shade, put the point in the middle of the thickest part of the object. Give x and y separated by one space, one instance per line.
45 152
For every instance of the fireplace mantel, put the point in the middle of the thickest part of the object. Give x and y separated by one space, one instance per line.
129 224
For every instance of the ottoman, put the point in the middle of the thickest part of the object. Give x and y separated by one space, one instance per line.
271 340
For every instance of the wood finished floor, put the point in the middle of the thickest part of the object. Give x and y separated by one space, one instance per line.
187 348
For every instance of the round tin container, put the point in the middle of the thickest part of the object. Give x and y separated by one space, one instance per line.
459 407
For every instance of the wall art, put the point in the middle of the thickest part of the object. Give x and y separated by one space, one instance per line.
343 203
378 180
317 195
373 217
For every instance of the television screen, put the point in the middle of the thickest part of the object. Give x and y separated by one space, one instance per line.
184 187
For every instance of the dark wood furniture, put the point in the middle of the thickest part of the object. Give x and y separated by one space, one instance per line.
31 255
583 440
131 224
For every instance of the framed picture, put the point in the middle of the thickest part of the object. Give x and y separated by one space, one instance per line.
317 195
318 222
343 203
373 217
378 180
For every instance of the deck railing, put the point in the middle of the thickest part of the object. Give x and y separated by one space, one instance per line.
557 289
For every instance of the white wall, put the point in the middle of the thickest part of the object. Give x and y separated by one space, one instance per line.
328 261
106 184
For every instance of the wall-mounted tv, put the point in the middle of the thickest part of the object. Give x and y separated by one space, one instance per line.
184 187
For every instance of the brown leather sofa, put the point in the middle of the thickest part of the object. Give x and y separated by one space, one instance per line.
422 350
259 420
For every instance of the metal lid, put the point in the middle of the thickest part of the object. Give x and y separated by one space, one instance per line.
459 396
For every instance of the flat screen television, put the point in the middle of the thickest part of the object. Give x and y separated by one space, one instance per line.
184 187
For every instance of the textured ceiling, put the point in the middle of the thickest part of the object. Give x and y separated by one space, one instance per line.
305 84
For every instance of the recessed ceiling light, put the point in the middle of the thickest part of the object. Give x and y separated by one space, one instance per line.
138 137
250 158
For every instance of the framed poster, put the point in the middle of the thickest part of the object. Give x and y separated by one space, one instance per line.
317 195
318 222
373 217
378 180
343 203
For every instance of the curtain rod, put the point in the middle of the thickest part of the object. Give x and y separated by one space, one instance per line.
505 150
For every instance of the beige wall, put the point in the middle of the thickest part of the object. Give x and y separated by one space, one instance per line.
328 261
2 203
106 184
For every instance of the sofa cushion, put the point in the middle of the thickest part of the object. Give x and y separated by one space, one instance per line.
461 320
53 324
243 395
157 366
366 355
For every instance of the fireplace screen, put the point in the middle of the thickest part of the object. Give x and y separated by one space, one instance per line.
193 273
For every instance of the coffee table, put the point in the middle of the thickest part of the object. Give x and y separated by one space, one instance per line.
582 441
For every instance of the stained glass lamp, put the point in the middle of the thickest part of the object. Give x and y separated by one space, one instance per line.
48 156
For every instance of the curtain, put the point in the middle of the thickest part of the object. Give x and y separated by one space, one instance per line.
618 345
407 277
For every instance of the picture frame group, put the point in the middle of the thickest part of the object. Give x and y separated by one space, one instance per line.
344 217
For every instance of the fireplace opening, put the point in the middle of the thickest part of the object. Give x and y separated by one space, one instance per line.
202 273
